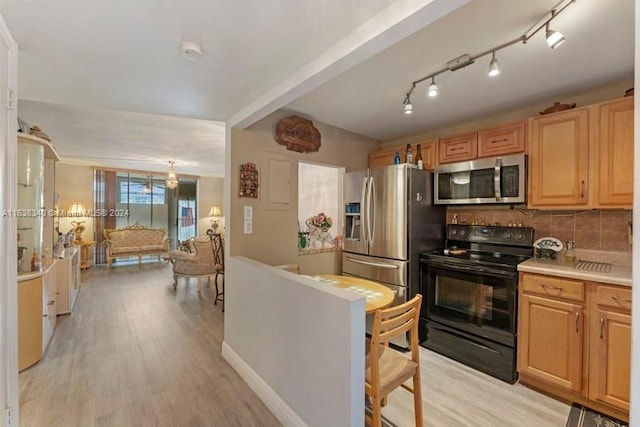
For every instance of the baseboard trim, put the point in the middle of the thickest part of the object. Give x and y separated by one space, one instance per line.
274 402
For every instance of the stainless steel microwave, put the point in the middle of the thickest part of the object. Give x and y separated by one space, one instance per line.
490 180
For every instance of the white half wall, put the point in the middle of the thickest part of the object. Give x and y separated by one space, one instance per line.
298 343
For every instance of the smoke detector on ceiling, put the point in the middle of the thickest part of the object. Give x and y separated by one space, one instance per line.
191 50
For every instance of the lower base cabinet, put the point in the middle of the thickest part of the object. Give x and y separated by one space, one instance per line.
574 341
36 316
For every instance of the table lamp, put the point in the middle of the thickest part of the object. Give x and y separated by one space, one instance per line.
215 212
77 210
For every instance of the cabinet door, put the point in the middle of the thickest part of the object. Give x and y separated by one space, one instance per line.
610 367
458 148
429 154
559 159
49 310
550 341
613 154
501 140
384 157
29 322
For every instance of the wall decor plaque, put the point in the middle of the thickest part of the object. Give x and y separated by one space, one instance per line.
298 134
248 180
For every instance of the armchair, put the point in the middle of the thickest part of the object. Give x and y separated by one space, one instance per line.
199 263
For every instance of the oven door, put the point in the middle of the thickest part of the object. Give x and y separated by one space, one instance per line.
475 299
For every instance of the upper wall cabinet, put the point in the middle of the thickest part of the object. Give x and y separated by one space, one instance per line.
583 158
559 159
612 154
495 141
458 148
384 157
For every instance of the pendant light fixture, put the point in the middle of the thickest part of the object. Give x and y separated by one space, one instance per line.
172 177
494 67
554 39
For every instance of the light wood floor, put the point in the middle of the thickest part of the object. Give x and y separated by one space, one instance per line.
136 352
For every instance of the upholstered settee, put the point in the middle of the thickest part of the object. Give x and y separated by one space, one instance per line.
135 240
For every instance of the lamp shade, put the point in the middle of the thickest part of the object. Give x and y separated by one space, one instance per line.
76 209
215 211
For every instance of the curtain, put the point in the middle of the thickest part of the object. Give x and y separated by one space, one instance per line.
104 200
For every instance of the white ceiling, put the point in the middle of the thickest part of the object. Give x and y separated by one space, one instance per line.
368 98
106 80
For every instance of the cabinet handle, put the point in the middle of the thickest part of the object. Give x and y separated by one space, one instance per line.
577 321
620 300
601 327
51 302
555 288
45 315
582 189
495 141
455 148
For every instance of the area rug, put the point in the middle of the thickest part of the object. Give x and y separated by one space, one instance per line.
585 417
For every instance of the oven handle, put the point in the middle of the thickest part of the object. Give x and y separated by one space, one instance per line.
496 179
471 269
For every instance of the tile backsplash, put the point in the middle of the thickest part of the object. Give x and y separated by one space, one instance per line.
602 230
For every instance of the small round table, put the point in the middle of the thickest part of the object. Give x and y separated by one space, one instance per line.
378 295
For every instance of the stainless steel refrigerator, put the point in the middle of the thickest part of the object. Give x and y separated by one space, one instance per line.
390 219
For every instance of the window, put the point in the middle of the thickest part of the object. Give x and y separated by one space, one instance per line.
320 191
140 193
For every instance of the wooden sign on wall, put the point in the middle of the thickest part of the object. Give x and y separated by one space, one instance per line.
298 134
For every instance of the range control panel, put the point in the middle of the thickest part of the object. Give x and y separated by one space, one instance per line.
518 236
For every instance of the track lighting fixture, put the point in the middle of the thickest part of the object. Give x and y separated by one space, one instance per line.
554 39
494 67
433 88
408 107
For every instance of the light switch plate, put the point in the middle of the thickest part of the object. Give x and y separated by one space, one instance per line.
248 213
248 226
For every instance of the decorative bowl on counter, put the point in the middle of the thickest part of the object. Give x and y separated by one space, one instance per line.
547 247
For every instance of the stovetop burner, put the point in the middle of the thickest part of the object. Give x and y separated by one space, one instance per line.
505 247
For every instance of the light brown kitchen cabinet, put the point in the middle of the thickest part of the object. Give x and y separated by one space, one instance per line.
501 140
559 159
574 341
550 339
610 359
612 154
458 148
384 157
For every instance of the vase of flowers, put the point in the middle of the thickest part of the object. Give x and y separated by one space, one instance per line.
319 226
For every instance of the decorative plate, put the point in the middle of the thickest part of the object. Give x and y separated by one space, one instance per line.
548 243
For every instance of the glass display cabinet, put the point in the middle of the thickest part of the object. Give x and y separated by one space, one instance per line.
35 215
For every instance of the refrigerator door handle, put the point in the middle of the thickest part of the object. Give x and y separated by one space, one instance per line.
363 210
370 211
373 264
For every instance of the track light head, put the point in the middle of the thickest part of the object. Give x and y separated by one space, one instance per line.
494 67
408 107
433 88
554 38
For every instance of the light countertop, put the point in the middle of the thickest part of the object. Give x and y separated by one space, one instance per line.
619 275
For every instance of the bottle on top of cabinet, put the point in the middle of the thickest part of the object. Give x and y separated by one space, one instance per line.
408 155
419 161
396 158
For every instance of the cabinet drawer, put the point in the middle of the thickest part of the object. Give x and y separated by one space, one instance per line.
614 297
505 139
458 148
553 287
